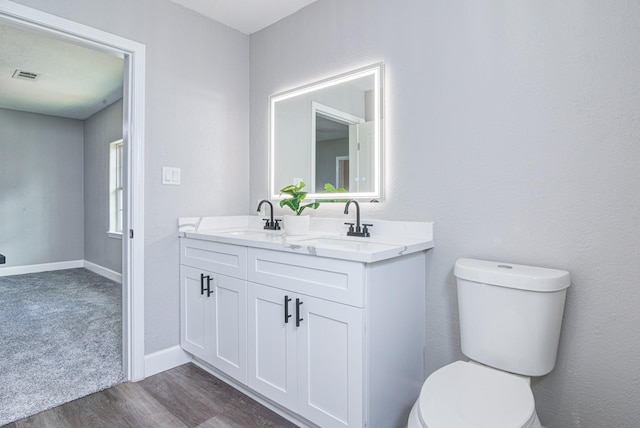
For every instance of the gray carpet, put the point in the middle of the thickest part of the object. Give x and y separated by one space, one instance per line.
60 339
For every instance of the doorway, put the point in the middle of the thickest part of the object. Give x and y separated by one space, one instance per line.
133 157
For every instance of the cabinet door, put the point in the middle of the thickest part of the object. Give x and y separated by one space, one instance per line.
330 363
229 329
272 347
195 314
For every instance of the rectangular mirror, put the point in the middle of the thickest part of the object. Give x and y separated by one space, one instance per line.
329 132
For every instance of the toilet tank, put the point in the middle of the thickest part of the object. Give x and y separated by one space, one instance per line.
510 315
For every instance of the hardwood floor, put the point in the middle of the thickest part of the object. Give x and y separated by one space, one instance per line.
185 396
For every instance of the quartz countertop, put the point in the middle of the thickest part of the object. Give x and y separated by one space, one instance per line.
327 237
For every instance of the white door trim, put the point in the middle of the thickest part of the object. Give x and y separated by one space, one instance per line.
133 135
335 115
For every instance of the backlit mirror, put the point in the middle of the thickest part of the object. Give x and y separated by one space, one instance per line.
329 133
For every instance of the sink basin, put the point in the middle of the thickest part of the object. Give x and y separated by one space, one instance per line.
328 239
243 232
344 243
252 233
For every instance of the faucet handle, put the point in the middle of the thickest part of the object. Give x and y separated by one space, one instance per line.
350 226
276 225
365 229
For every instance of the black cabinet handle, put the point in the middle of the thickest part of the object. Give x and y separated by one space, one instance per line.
209 291
298 319
201 284
286 309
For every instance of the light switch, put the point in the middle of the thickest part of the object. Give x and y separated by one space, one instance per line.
170 175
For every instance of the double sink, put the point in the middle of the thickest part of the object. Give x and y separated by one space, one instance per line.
343 247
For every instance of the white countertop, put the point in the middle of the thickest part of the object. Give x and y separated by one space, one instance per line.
327 237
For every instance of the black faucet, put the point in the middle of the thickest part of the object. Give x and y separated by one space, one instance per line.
270 224
357 231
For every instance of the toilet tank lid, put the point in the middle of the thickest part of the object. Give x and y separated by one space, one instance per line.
512 275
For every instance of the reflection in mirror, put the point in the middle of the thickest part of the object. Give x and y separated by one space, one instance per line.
334 148
329 133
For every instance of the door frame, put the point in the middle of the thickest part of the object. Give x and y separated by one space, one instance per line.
133 136
334 115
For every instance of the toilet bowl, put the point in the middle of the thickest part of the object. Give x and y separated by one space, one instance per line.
469 395
510 318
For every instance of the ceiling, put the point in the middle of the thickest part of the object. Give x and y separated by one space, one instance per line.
246 16
73 81
76 82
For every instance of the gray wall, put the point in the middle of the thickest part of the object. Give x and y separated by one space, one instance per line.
197 98
515 127
512 125
41 196
100 130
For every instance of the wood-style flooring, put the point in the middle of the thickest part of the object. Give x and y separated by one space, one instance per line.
185 396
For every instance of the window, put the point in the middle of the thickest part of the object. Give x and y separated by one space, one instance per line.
116 189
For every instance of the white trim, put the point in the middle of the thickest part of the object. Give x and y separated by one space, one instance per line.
103 271
71 264
340 159
114 235
44 267
165 359
133 249
116 185
133 135
335 114
332 114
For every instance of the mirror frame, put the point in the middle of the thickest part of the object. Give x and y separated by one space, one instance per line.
375 70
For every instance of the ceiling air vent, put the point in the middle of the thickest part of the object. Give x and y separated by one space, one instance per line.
25 75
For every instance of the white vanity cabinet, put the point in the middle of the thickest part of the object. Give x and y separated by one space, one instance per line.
329 341
213 305
305 351
356 357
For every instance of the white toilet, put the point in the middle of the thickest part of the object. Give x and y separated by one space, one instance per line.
510 318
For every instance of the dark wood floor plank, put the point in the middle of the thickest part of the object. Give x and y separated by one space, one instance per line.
243 411
218 422
195 397
46 419
191 394
184 397
248 417
124 406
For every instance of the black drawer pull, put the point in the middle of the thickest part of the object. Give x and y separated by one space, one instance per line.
298 319
209 290
287 315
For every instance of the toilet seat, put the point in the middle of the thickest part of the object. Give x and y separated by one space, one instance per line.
468 395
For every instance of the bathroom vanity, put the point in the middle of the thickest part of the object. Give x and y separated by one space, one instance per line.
328 330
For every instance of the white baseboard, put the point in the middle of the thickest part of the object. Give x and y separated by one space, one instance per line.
72 264
164 360
103 271
45 267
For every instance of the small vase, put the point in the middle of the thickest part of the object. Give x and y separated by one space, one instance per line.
296 225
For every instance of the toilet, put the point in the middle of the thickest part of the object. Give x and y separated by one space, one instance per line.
510 318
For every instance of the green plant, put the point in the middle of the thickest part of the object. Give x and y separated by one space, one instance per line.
330 188
297 196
